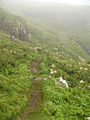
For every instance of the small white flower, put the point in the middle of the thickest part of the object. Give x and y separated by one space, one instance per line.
53 65
52 72
70 65
57 53
55 71
81 68
49 76
45 78
68 56
11 51
56 48
86 69
81 81
4 49
81 59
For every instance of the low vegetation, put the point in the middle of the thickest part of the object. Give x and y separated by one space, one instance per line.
15 77
66 103
57 58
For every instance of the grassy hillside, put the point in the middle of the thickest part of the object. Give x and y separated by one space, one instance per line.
62 103
15 59
64 57
15 77
58 45
67 22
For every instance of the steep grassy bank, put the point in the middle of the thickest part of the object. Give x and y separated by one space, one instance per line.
15 77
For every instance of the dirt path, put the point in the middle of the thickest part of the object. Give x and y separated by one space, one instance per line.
34 111
36 95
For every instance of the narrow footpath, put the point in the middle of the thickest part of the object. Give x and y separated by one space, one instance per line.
35 108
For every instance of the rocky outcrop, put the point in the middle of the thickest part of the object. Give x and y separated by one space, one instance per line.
14 25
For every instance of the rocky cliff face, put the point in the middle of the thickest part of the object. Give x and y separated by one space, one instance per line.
14 25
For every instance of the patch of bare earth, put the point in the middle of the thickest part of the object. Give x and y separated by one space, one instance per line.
36 92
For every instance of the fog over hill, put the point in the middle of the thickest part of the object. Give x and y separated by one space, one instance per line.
70 21
44 59
72 2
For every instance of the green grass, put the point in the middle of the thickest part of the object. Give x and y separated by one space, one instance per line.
16 79
66 103
15 76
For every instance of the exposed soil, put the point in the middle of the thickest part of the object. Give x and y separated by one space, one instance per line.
36 101
35 67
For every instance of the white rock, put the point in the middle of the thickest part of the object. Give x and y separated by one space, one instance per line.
63 82
88 118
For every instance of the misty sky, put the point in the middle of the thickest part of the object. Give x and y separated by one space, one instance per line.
75 2
72 2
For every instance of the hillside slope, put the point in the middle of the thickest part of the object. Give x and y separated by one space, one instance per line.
67 22
57 58
58 45
15 26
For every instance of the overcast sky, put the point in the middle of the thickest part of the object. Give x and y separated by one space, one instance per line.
72 2
75 2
